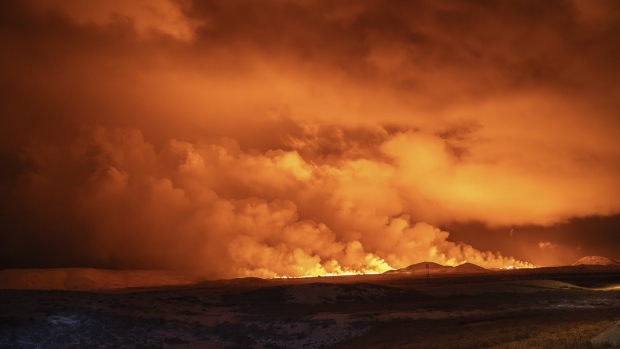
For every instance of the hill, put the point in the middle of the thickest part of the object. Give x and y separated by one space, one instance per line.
470 268
596 260
87 279
434 268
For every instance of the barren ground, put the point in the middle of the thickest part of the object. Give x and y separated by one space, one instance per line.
542 308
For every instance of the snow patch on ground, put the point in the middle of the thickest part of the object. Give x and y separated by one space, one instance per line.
610 336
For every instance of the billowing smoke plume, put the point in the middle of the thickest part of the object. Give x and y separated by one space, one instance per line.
215 209
290 138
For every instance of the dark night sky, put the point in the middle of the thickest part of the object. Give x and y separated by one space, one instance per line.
298 138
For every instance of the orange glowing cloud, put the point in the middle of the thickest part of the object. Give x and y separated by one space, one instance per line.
292 139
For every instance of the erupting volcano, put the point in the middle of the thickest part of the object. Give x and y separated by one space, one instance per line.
309 173
307 138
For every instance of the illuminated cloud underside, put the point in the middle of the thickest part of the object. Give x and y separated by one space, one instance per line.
301 138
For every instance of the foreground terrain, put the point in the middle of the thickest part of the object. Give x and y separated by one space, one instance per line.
540 308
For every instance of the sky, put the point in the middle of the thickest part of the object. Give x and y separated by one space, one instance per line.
291 138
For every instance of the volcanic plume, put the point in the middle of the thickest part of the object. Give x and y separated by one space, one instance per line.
282 138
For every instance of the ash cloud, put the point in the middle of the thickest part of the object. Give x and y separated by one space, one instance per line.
215 209
292 138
